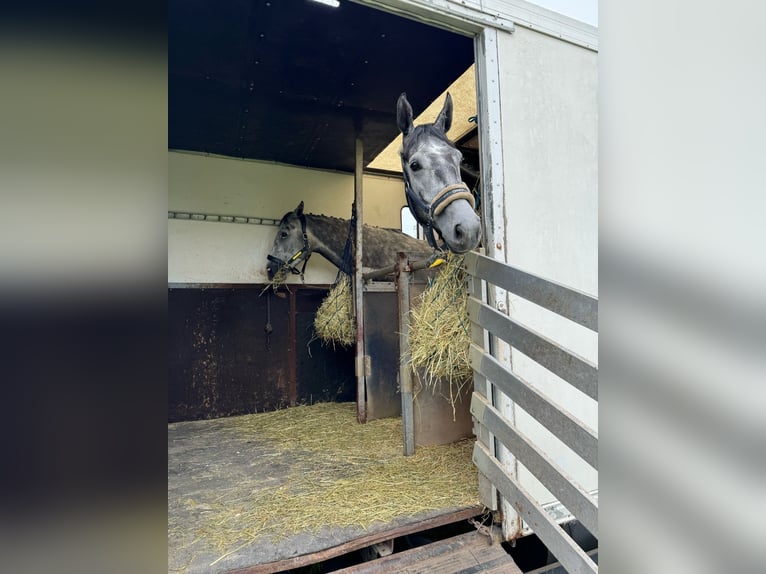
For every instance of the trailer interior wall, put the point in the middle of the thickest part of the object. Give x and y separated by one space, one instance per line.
213 252
550 144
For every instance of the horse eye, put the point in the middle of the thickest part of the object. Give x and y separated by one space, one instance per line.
283 234
415 166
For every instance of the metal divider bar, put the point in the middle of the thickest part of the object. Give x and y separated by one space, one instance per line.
573 496
571 431
577 371
566 550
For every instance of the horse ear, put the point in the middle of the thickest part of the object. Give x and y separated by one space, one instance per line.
299 209
404 114
444 119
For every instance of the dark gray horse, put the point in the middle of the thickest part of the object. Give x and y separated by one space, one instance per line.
300 234
436 195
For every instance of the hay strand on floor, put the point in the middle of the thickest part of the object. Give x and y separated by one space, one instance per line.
334 320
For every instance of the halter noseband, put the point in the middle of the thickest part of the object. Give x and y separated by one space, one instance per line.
302 254
425 213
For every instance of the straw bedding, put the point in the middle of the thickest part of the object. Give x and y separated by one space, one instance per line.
341 473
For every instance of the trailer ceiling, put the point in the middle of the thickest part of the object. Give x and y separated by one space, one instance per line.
296 82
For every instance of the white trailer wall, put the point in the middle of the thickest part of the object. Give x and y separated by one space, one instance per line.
212 252
550 152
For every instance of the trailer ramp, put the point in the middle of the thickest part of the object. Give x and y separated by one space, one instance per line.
467 553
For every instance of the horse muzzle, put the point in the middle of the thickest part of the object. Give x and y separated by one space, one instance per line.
459 225
274 266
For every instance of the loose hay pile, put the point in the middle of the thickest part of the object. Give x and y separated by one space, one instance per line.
334 473
440 334
334 320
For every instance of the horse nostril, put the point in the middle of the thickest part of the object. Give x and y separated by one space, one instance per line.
458 232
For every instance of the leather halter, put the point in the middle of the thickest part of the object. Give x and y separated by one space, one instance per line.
302 254
425 213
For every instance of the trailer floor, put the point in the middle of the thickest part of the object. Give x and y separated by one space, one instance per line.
210 460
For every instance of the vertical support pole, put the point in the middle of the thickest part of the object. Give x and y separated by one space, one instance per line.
481 386
495 242
361 391
405 370
292 351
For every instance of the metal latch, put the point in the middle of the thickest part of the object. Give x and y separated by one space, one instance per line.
363 366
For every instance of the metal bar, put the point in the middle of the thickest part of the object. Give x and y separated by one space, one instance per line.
219 218
575 498
563 425
361 390
482 387
259 286
380 287
489 103
557 568
566 550
577 371
458 17
382 272
405 370
413 266
292 352
575 305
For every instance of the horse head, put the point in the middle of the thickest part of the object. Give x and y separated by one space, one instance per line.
436 194
291 245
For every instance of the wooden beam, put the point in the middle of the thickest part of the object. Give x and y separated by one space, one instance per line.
362 542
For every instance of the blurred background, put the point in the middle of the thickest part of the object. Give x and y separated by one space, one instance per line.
83 177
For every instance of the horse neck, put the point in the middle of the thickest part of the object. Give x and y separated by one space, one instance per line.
327 236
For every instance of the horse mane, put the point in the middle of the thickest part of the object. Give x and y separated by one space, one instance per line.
287 215
381 243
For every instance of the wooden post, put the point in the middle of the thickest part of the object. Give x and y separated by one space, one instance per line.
358 284
405 370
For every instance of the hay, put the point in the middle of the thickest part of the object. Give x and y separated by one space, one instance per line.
279 279
440 334
334 320
341 474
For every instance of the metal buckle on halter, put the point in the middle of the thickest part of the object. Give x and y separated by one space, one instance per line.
286 264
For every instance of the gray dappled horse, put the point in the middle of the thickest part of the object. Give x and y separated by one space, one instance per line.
300 234
436 195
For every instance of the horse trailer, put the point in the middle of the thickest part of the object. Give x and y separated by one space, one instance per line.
278 104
